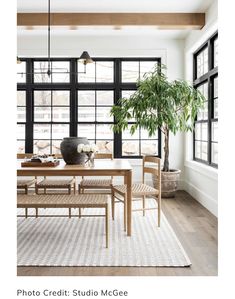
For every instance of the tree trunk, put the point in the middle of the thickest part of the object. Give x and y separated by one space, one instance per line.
166 150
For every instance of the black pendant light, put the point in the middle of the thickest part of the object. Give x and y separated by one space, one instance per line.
84 58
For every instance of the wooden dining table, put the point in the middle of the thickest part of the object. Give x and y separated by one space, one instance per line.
115 167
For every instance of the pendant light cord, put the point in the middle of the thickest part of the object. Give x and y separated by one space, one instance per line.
49 38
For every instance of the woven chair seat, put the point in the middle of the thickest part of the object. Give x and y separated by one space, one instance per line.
137 189
22 183
96 183
86 200
51 183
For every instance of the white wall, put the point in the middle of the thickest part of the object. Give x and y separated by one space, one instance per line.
200 181
170 50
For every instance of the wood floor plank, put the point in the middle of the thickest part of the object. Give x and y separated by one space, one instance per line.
196 228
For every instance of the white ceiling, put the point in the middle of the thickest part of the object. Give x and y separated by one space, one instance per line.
111 6
114 5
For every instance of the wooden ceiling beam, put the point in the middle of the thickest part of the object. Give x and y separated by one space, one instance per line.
162 20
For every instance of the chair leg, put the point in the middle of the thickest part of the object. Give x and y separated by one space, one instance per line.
143 204
36 212
26 213
125 213
159 211
107 225
113 204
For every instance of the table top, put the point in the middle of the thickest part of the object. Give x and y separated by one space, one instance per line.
109 167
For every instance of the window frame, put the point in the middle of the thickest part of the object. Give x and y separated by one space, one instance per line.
209 79
74 86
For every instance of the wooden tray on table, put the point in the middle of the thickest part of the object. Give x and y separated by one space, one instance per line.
40 164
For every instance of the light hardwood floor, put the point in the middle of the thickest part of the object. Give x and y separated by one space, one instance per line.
195 227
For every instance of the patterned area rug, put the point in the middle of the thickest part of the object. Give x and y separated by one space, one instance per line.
81 242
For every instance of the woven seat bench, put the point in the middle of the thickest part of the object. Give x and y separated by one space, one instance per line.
65 201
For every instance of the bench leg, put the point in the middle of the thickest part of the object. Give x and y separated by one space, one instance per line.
125 213
80 212
36 212
69 212
143 201
113 205
26 213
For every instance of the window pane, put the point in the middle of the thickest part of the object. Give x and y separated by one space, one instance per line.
146 67
104 71
103 114
130 71
21 98
56 147
201 150
214 132
145 134
127 135
41 147
104 97
216 87
60 114
104 146
149 147
202 62
20 131
42 131
86 97
42 114
216 52
40 72
127 93
198 131
21 70
59 131
89 76
86 114
21 114
130 148
86 131
60 98
60 71
214 153
104 132
20 146
42 98
201 131
204 131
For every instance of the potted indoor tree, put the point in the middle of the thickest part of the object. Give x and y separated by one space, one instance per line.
158 103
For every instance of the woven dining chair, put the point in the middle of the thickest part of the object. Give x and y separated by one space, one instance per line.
140 191
97 184
25 183
68 184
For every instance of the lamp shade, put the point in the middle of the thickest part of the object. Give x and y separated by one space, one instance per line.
85 58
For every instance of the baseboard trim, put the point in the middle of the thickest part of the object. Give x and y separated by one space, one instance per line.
207 201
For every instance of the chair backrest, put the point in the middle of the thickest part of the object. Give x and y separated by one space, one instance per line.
152 165
104 156
24 155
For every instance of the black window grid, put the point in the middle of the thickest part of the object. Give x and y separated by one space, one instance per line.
209 79
73 86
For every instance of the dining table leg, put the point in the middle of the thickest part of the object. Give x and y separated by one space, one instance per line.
128 182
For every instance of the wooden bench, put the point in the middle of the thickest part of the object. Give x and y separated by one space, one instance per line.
65 201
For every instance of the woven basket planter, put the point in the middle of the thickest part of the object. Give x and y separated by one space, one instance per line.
169 182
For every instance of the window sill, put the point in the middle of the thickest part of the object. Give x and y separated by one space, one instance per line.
205 170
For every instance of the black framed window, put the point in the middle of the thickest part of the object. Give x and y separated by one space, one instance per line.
71 103
206 125
21 120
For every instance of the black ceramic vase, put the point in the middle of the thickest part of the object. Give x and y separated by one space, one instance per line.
69 151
